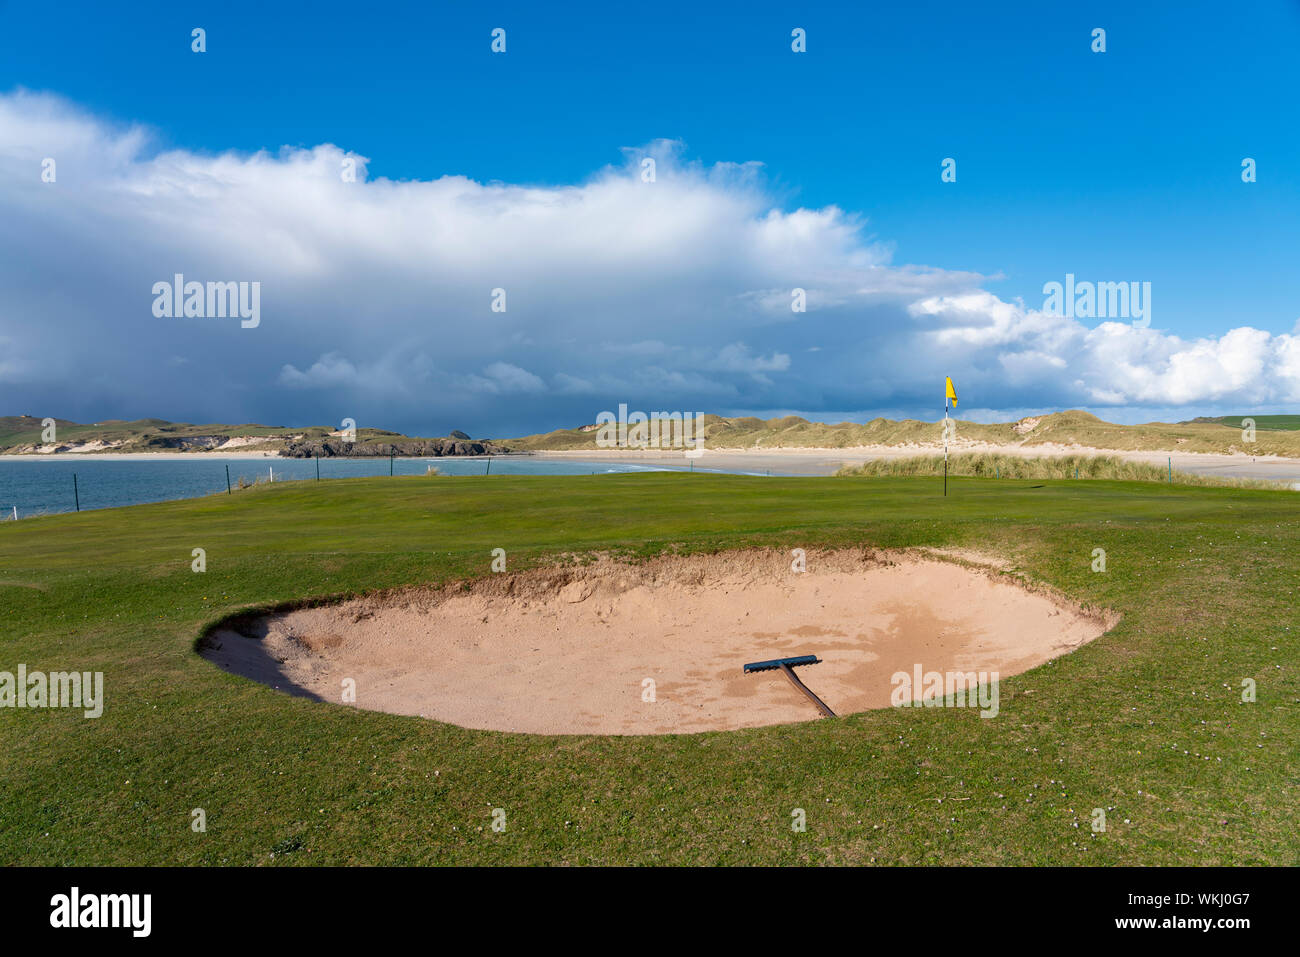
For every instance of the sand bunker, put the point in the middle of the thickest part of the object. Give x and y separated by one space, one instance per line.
609 648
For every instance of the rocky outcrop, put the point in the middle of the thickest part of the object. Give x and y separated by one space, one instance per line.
183 443
338 448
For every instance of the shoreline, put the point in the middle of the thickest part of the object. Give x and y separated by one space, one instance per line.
823 461
862 452
135 456
787 461
200 456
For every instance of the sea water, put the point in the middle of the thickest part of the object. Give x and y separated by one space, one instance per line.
43 486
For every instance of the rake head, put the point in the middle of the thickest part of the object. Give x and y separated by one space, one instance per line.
775 663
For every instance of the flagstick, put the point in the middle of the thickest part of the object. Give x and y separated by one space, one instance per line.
945 445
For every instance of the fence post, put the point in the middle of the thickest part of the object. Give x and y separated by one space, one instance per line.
75 494
227 478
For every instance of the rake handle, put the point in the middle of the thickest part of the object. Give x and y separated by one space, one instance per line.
794 680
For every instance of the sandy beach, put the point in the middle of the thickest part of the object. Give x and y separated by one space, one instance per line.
790 461
812 461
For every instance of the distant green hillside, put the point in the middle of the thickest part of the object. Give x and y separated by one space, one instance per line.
1286 423
1065 428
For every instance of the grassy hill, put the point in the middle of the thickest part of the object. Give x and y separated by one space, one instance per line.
1066 428
1147 722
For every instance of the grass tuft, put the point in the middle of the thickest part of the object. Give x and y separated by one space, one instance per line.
999 465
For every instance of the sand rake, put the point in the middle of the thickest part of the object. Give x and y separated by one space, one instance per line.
787 666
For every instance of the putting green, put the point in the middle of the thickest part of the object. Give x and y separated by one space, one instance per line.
1147 723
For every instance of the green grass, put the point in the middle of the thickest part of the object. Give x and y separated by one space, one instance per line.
1285 423
1147 721
995 465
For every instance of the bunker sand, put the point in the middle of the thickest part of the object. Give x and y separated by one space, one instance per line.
657 648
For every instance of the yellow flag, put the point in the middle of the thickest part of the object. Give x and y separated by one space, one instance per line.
951 393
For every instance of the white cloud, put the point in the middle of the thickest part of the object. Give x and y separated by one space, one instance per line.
1115 362
376 297
737 357
328 371
504 378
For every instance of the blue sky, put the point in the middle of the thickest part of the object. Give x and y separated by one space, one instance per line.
1116 166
